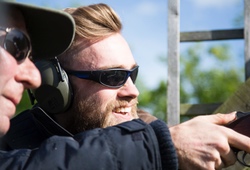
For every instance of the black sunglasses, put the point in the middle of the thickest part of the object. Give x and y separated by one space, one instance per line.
16 42
113 78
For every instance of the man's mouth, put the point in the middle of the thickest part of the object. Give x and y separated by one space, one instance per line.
122 110
123 113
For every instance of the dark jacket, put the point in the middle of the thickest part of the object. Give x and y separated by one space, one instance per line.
132 145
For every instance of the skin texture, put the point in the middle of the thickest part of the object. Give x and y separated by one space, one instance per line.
15 77
202 143
96 105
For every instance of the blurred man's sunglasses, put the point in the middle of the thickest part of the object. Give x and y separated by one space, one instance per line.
113 78
15 42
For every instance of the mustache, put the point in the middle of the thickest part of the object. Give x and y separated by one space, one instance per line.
125 103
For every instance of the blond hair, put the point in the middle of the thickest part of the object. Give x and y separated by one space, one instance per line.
95 21
92 23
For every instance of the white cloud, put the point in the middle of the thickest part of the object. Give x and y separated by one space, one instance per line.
215 3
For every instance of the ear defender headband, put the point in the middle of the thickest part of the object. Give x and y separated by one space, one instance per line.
55 94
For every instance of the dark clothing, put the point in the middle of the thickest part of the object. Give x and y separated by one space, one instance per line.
132 145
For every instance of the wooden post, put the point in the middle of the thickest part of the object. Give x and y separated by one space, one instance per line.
173 83
247 37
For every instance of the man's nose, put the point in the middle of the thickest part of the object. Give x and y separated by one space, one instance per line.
128 89
28 74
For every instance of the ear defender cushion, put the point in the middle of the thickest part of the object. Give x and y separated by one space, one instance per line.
55 94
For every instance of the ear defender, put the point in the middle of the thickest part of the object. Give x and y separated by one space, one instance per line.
55 94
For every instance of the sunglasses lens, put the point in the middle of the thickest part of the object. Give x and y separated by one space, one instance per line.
17 44
113 77
116 78
134 74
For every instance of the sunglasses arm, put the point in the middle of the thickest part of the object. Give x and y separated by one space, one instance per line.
56 61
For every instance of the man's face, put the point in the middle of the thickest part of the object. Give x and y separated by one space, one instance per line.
14 76
96 105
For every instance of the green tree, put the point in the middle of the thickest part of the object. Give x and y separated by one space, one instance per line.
154 101
213 77
211 82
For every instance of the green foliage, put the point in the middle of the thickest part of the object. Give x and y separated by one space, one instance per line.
220 52
24 104
154 101
212 84
207 75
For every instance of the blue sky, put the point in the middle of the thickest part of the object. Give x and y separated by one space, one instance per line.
145 27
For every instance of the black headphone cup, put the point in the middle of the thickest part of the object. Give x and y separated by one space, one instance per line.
55 94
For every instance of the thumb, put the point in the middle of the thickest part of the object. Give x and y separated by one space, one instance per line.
223 119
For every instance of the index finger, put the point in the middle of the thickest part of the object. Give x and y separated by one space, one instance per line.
238 140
